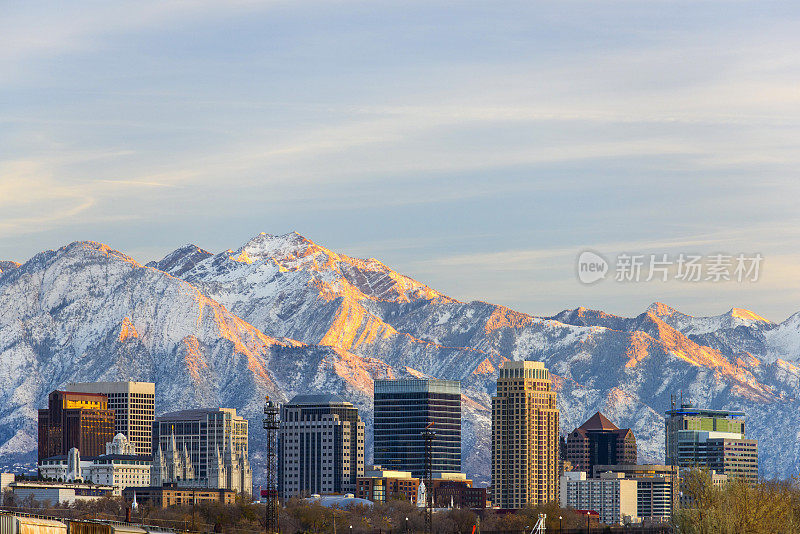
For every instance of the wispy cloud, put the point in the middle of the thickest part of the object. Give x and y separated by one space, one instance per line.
36 29
503 137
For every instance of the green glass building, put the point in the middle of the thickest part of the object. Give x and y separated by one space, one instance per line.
712 439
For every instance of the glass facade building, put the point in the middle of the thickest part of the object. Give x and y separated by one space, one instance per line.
133 404
75 420
403 409
714 439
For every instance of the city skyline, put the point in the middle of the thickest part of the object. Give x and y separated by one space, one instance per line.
415 260
321 450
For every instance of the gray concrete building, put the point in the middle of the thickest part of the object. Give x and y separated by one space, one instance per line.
204 448
320 446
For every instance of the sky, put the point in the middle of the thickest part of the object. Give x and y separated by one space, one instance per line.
478 147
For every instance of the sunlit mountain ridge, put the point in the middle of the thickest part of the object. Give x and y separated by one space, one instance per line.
282 314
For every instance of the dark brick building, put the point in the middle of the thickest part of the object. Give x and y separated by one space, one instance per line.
598 441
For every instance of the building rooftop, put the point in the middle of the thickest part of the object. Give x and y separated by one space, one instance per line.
137 457
319 398
378 472
115 387
79 393
418 385
688 409
172 486
522 364
64 458
192 415
598 422
339 501
637 470
63 485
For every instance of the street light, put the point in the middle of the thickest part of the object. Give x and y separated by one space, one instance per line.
559 524
406 525
587 522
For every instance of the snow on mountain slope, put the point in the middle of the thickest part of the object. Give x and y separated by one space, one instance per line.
181 260
87 312
688 324
740 333
289 286
283 315
783 341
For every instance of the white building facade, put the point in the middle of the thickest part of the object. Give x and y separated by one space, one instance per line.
611 496
115 469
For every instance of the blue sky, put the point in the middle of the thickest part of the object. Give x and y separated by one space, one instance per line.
476 146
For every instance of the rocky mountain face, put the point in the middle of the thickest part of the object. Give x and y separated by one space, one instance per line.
281 315
7 265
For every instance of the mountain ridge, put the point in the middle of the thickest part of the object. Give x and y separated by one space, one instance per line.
282 314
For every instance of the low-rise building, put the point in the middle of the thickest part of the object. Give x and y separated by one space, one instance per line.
116 470
170 495
382 485
58 469
657 490
59 492
120 471
5 480
454 490
612 496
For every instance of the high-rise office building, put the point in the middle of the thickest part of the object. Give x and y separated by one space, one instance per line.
75 420
403 410
713 439
133 404
525 455
202 448
599 441
320 446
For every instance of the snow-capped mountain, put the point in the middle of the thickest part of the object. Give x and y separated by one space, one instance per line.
282 314
86 312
